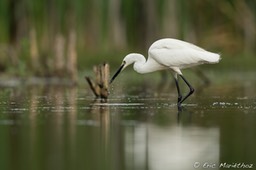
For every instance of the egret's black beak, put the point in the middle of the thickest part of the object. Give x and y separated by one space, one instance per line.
118 71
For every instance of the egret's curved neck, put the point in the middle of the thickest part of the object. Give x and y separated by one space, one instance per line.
140 65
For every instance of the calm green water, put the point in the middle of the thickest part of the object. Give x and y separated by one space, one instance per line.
62 128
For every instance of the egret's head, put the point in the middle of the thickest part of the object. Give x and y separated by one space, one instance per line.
128 60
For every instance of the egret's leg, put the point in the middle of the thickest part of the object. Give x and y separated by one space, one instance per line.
191 89
178 89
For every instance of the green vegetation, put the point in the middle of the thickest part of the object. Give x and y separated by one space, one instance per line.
55 38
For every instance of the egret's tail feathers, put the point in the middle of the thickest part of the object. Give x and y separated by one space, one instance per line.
212 58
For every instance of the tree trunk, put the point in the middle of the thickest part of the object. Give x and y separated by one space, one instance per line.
59 57
72 56
34 50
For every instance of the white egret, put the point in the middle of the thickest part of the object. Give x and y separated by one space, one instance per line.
170 54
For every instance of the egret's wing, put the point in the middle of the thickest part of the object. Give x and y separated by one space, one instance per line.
170 43
183 58
176 53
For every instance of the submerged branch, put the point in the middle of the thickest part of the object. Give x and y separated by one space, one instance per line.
100 85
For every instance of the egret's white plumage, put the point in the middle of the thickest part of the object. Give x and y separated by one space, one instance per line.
179 54
171 54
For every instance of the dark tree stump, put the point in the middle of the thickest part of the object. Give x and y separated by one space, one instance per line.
100 84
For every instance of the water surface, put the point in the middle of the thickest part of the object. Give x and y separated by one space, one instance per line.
63 127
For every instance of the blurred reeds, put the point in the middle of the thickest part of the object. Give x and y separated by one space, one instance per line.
60 37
